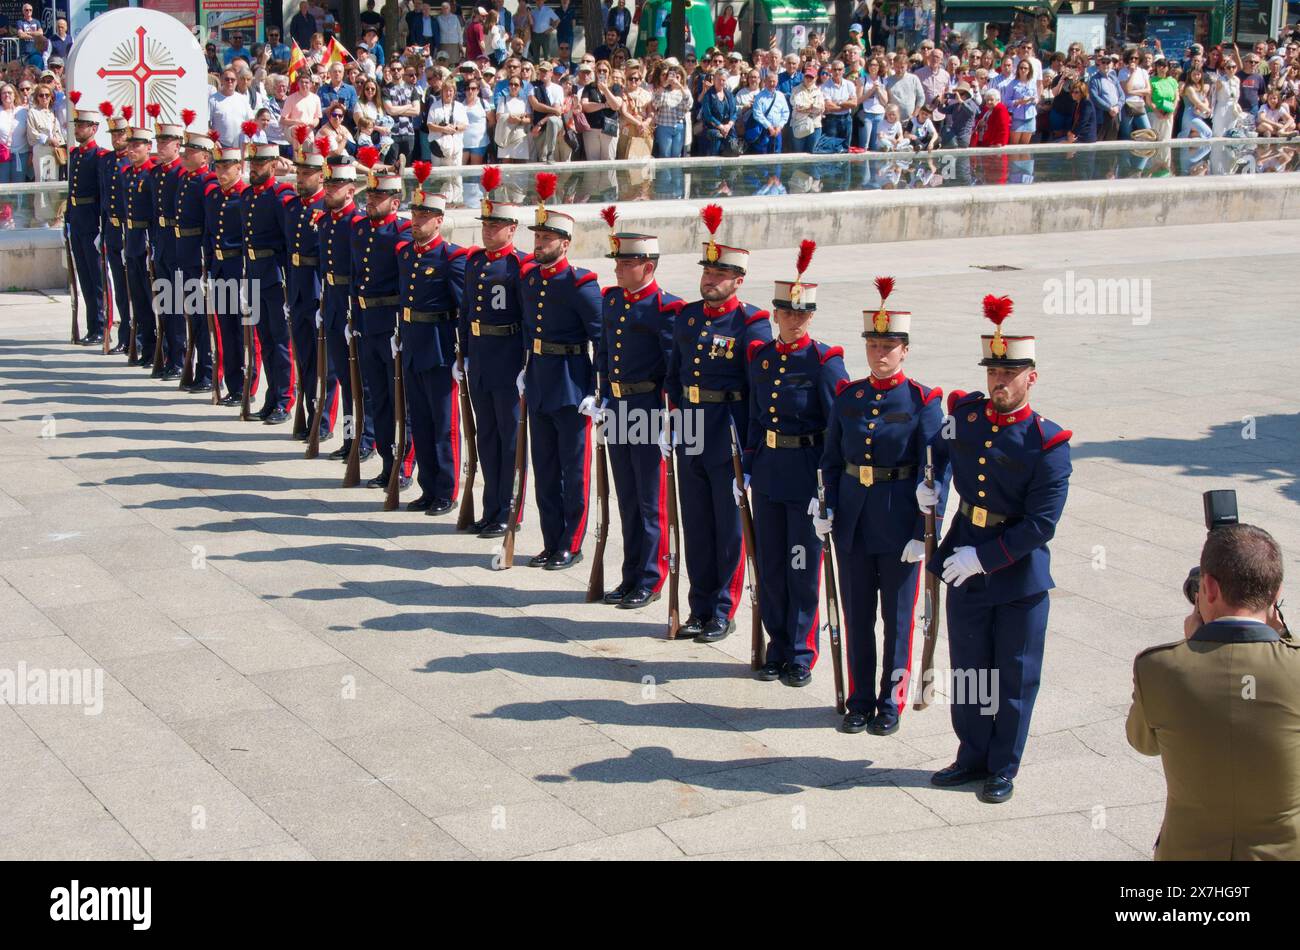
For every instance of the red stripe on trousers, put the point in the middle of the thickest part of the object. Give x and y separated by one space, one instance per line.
108 297
455 439
334 404
576 546
810 641
905 682
737 583
661 556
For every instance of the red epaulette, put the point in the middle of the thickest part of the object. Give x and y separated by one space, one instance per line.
585 279
672 306
210 187
400 246
526 259
954 397
756 316
1054 441
358 221
842 385
832 352
527 266
459 252
926 397
753 348
609 290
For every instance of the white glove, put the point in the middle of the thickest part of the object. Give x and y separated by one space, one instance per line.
665 447
963 564
589 407
914 552
519 382
459 368
320 320
347 333
927 497
821 525
735 490
394 344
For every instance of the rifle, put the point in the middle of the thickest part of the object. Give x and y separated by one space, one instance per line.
832 600
322 380
76 293
250 367
517 487
399 413
352 474
596 582
930 618
674 606
757 648
465 519
160 333
187 371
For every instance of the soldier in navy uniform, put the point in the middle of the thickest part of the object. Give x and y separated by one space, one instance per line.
793 380
431 281
162 237
492 354
84 161
561 307
192 259
112 208
141 193
302 217
874 459
336 270
224 240
1011 468
638 328
707 376
376 240
264 261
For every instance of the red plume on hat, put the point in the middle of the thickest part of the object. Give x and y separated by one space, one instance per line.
711 215
74 96
997 309
249 128
806 249
154 110
215 136
322 143
546 182
610 215
885 287
188 116
491 178
421 171
106 109
300 133
127 112
367 155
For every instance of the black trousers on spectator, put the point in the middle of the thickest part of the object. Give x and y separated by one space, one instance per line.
1107 126
403 145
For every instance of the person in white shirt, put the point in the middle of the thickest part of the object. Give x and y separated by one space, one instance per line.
450 33
448 121
544 24
889 138
228 109
841 99
545 102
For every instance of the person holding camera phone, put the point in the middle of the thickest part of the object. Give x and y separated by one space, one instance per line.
1221 707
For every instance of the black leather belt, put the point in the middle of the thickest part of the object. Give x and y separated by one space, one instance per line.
542 348
697 395
982 517
136 225
77 200
868 475
166 222
298 260
427 316
188 232
228 254
367 302
258 253
115 222
479 328
338 280
775 440
621 390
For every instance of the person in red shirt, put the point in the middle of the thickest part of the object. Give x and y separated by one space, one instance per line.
993 124
474 35
724 28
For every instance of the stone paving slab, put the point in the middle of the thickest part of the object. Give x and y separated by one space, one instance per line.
290 673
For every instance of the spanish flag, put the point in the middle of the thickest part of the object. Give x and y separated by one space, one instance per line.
296 62
335 53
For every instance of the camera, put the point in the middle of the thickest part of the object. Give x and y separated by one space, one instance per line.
1220 509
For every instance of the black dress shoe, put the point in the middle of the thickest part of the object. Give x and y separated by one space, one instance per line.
278 417
563 560
200 388
770 671
379 481
440 506
325 435
420 504
883 725
615 597
715 630
854 722
265 412
639 598
956 775
118 350
365 453
691 629
90 339
996 790
230 401
171 375
479 525
341 452
796 674
541 560
494 529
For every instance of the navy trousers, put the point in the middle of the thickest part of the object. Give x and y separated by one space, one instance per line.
273 334
561 447
715 547
336 319
789 567
1007 639
376 354
89 277
868 580
496 423
230 346
431 402
173 318
640 476
121 302
197 316
302 324
141 291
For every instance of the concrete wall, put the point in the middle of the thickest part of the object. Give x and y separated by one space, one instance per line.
32 260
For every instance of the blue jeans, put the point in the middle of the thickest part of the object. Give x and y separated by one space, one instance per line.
765 144
838 126
871 123
1127 123
808 142
669 139
11 171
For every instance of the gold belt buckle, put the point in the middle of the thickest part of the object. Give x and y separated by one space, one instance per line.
473 328
866 475
979 516
329 279
361 300
406 314
177 230
617 390
251 255
162 222
693 393
771 439
295 260
537 347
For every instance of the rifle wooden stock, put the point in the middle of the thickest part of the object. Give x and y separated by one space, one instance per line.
322 381
757 648
465 518
160 329
250 367
352 473
930 619
832 601
517 486
596 582
674 534
393 494
76 292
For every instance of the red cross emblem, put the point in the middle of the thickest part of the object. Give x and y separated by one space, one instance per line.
132 67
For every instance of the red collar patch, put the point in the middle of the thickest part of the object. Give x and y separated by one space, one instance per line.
422 248
646 291
998 419
728 305
264 186
561 264
794 347
346 209
498 254
889 382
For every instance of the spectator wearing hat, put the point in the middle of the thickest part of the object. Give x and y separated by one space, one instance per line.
807 105
958 118
1107 99
546 104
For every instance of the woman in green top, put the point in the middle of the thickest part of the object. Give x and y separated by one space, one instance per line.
1164 100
